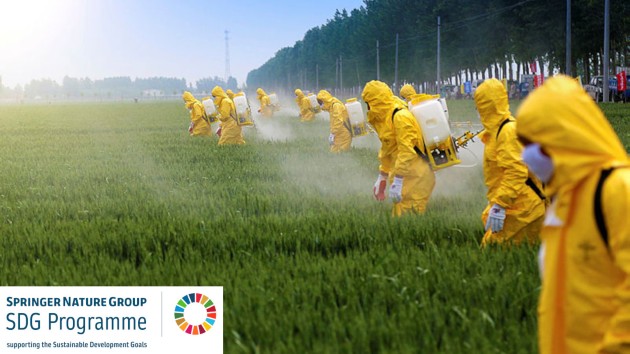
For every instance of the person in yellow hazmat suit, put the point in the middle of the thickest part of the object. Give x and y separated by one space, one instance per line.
340 138
230 94
402 155
304 105
584 258
406 92
199 124
231 132
265 104
516 200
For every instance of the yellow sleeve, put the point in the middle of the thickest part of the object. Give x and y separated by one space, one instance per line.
337 118
511 164
196 116
386 156
305 106
616 208
225 110
408 134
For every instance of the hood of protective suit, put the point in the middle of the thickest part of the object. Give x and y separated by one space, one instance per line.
260 92
571 129
219 95
230 93
299 95
189 99
327 98
492 104
381 101
407 91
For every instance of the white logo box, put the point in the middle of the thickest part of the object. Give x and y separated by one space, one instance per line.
117 320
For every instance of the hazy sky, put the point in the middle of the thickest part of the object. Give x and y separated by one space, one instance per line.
146 38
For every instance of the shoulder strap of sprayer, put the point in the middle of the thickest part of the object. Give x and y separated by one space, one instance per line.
233 116
346 121
415 148
529 182
204 116
506 121
597 205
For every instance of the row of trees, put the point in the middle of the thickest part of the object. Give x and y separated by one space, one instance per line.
112 87
477 38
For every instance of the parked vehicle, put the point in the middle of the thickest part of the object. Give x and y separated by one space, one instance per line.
595 88
525 86
616 95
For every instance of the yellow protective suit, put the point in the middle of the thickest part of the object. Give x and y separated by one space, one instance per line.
399 136
231 132
265 104
406 92
339 121
505 174
230 94
304 105
198 125
584 305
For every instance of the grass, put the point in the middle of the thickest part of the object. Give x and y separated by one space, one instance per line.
119 194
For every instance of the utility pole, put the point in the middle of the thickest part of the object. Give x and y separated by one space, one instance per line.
227 58
396 66
336 74
378 63
341 74
438 55
316 78
568 46
606 47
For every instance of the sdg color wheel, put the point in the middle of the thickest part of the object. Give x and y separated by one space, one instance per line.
209 315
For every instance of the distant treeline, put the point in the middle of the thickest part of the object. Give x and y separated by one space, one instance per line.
477 37
111 87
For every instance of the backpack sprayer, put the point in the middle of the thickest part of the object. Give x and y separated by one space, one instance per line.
274 102
243 112
431 113
356 118
209 110
315 108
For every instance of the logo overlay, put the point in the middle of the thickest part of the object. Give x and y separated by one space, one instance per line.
119 320
200 307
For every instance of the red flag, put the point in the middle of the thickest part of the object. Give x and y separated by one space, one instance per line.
535 80
532 67
622 81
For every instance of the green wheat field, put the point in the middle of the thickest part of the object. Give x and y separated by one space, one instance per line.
118 194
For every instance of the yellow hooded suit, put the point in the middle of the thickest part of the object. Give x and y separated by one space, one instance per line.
231 132
584 305
339 123
400 135
198 125
265 104
406 92
505 174
304 105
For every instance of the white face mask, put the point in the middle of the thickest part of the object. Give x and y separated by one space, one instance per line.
539 163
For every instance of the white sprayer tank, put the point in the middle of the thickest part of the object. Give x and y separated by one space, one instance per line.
445 107
273 99
240 103
356 117
243 112
314 104
208 106
433 121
